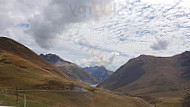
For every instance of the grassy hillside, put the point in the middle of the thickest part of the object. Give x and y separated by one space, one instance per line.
160 80
186 101
23 73
22 68
73 99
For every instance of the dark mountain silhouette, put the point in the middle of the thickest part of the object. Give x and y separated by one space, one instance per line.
99 72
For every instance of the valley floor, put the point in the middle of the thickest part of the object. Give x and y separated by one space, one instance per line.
45 98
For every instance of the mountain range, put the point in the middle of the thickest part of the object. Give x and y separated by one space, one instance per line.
160 80
70 69
21 68
99 72
26 78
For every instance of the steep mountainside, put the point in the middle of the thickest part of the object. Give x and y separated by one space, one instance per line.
99 72
153 76
24 74
22 68
70 69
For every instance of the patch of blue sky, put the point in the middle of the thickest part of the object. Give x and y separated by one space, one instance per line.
97 48
187 27
24 25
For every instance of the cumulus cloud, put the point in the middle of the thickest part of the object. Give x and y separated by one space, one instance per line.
46 26
17 12
129 31
7 19
141 21
6 22
160 45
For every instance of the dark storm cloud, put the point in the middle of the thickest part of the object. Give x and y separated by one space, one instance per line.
54 19
160 45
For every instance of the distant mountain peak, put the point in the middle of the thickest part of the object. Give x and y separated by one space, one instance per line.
186 53
99 72
97 67
70 69
150 71
53 58
17 59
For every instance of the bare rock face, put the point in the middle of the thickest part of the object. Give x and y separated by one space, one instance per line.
99 72
70 69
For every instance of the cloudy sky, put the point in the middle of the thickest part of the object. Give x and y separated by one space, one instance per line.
98 32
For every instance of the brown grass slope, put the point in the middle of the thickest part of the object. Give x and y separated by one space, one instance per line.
70 69
20 68
163 78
